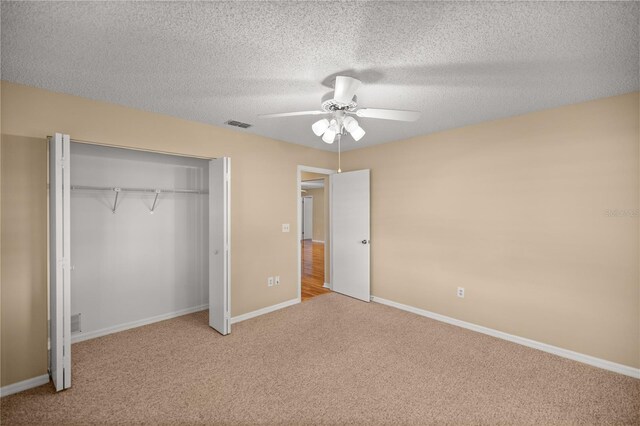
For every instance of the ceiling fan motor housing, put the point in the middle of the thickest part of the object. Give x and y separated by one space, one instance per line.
331 105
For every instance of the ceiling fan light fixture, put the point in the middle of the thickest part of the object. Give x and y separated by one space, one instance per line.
329 135
341 110
357 133
319 127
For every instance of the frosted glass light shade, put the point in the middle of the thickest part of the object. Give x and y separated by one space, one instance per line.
357 133
319 127
350 124
329 136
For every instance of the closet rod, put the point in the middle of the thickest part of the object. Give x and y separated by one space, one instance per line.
154 190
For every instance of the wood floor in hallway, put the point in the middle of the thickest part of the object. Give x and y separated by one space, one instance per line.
312 269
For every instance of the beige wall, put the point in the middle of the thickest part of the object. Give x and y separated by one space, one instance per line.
24 259
263 173
318 212
514 210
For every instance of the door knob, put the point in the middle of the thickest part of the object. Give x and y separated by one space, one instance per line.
365 241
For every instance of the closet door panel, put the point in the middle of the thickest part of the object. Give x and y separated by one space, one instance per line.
59 261
219 245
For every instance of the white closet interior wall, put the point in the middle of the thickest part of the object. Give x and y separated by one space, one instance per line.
133 265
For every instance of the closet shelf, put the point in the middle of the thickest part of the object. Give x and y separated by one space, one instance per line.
152 190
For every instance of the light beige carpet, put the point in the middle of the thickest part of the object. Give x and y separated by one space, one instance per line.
331 360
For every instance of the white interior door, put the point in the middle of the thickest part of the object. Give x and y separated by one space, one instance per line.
219 244
59 261
349 223
307 218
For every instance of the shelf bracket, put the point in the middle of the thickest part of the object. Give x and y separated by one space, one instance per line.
155 200
115 202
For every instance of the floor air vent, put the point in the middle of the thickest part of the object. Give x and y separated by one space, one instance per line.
75 323
238 124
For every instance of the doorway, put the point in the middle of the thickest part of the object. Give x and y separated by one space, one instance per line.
313 232
347 233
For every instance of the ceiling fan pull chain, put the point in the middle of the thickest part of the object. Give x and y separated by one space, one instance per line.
339 138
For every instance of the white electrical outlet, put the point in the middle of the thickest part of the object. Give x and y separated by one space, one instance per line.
285 227
461 292
277 279
270 281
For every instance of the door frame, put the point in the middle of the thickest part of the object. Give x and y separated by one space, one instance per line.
299 208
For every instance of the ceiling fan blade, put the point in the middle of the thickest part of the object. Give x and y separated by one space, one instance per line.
345 89
388 114
291 114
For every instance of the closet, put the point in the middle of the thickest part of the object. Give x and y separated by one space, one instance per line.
136 237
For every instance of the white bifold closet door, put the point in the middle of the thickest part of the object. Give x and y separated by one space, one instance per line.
59 261
349 224
60 255
219 245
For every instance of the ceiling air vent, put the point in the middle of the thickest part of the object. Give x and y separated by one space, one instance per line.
237 124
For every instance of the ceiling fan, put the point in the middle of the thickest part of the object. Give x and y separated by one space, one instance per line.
342 107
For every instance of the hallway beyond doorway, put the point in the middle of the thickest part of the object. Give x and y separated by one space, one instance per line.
312 269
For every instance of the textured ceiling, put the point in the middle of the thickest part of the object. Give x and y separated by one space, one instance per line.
458 63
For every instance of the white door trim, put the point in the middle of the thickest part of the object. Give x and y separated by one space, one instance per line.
299 204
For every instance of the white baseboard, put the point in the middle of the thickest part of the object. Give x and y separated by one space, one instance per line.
263 311
317 241
24 385
326 285
79 337
565 353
